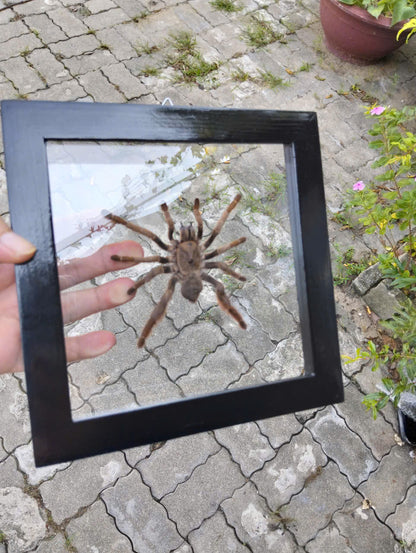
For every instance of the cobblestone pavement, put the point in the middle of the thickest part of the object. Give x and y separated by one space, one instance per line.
328 480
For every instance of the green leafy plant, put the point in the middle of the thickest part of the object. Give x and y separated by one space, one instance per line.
187 59
225 5
260 33
387 207
346 267
397 10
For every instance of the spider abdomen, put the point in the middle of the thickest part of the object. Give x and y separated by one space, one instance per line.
191 287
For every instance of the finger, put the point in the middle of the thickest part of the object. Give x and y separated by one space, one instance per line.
89 345
85 268
14 248
81 303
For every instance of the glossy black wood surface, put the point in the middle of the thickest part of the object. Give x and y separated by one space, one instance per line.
26 128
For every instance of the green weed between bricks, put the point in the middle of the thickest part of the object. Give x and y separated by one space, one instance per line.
387 207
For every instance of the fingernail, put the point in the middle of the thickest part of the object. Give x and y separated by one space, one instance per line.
17 245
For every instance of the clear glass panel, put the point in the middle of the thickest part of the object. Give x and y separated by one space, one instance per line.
196 348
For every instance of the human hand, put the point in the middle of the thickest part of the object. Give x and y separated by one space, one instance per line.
75 304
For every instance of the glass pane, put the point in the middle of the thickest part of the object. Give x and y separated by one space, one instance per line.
196 348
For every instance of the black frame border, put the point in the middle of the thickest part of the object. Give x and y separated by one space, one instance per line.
26 128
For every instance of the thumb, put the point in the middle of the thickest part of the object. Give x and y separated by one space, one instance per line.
14 248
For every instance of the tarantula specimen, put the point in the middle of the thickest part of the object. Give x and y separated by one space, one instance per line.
187 262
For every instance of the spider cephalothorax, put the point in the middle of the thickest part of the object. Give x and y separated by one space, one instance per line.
187 262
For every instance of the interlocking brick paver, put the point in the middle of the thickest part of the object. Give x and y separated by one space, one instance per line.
215 536
330 430
97 528
286 474
403 521
311 510
24 456
117 44
75 46
68 22
42 26
48 66
254 523
89 63
65 91
23 77
247 446
16 46
144 521
387 486
120 77
364 531
199 497
176 460
14 414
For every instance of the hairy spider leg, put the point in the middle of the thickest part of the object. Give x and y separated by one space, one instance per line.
223 300
221 221
225 268
158 311
148 259
138 229
226 247
198 218
169 220
147 277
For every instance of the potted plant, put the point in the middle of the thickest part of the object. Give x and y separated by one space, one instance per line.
364 31
387 207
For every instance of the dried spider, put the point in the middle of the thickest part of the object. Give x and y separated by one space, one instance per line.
186 260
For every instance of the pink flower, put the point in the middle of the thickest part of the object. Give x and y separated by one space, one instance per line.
359 185
378 110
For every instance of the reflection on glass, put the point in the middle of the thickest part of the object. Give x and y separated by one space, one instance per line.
196 348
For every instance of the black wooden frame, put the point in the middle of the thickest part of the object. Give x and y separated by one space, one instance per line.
56 437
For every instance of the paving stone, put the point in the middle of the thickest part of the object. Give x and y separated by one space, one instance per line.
79 485
191 18
383 301
24 455
311 510
75 46
286 474
286 361
95 531
121 77
367 279
20 520
217 372
100 88
81 65
115 397
35 6
215 536
255 524
139 517
133 8
247 446
364 532
68 22
176 460
106 19
56 544
12 30
150 384
199 497
44 28
387 486
14 414
48 66
136 454
280 430
65 91
376 434
337 441
403 520
117 44
9 475
178 358
23 77
97 6
229 37
91 375
330 541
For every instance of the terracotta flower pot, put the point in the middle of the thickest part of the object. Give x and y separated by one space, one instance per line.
354 35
